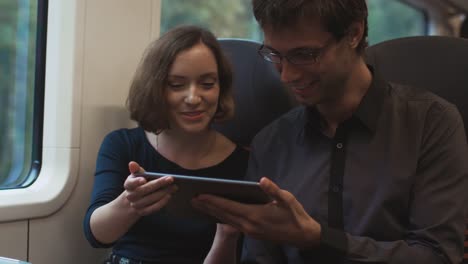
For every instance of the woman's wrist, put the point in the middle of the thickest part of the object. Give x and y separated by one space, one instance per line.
122 204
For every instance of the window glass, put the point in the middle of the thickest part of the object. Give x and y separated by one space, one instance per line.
225 18
389 19
19 134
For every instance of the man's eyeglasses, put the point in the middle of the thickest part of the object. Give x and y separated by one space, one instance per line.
300 56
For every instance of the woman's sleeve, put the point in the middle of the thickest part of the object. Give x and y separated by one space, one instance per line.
111 172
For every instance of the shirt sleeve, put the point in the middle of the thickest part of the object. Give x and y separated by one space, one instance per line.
111 172
437 208
256 251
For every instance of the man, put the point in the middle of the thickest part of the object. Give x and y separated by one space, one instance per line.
370 172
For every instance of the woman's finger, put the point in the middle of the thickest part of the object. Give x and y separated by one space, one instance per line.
155 206
153 198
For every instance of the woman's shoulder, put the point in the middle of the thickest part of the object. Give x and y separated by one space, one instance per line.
125 134
231 152
241 151
234 166
228 147
124 137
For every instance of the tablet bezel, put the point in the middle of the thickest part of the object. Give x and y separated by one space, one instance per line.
248 192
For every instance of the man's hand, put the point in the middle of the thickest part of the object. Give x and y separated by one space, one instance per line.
283 220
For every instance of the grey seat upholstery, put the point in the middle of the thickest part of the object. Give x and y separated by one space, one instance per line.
435 63
258 93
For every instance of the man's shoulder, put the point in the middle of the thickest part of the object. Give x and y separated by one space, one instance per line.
424 104
408 93
289 122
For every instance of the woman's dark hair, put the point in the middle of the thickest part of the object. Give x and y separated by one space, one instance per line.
147 100
336 16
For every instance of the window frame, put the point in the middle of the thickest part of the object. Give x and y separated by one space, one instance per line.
39 91
57 114
38 98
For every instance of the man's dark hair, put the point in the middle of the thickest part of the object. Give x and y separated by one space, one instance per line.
336 16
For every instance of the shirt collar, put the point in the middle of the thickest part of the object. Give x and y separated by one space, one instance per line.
368 111
370 108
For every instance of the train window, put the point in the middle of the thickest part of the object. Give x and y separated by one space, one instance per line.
394 19
22 48
387 19
226 18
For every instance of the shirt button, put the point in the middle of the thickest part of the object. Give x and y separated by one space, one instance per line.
336 188
339 145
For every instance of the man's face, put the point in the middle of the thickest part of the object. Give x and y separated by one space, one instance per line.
312 81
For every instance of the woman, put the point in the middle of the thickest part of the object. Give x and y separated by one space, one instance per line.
182 85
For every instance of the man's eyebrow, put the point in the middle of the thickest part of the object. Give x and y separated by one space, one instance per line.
270 48
300 48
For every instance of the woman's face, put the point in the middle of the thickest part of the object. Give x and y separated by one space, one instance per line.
193 89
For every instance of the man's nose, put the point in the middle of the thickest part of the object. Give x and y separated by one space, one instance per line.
288 71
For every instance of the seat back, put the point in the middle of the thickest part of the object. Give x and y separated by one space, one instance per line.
258 92
438 64
435 63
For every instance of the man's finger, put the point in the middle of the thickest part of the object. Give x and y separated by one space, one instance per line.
275 192
270 188
224 216
222 204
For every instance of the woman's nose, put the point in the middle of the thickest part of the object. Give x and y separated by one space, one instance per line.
192 96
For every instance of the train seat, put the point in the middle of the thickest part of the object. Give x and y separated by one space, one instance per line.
258 92
435 63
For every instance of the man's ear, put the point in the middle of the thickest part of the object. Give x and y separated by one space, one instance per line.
355 33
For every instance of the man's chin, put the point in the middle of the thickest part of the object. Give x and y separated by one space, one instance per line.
306 101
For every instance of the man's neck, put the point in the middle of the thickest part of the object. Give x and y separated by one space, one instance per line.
341 109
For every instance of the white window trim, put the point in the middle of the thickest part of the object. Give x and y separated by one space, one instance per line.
60 160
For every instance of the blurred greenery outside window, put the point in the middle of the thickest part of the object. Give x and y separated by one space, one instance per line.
18 20
225 18
388 19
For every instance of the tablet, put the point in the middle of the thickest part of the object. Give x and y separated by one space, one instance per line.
189 186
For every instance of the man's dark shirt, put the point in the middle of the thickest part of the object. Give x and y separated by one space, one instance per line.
399 164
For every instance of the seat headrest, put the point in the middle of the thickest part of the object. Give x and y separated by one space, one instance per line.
435 63
258 92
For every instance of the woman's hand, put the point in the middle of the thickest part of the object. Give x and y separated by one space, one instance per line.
146 197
